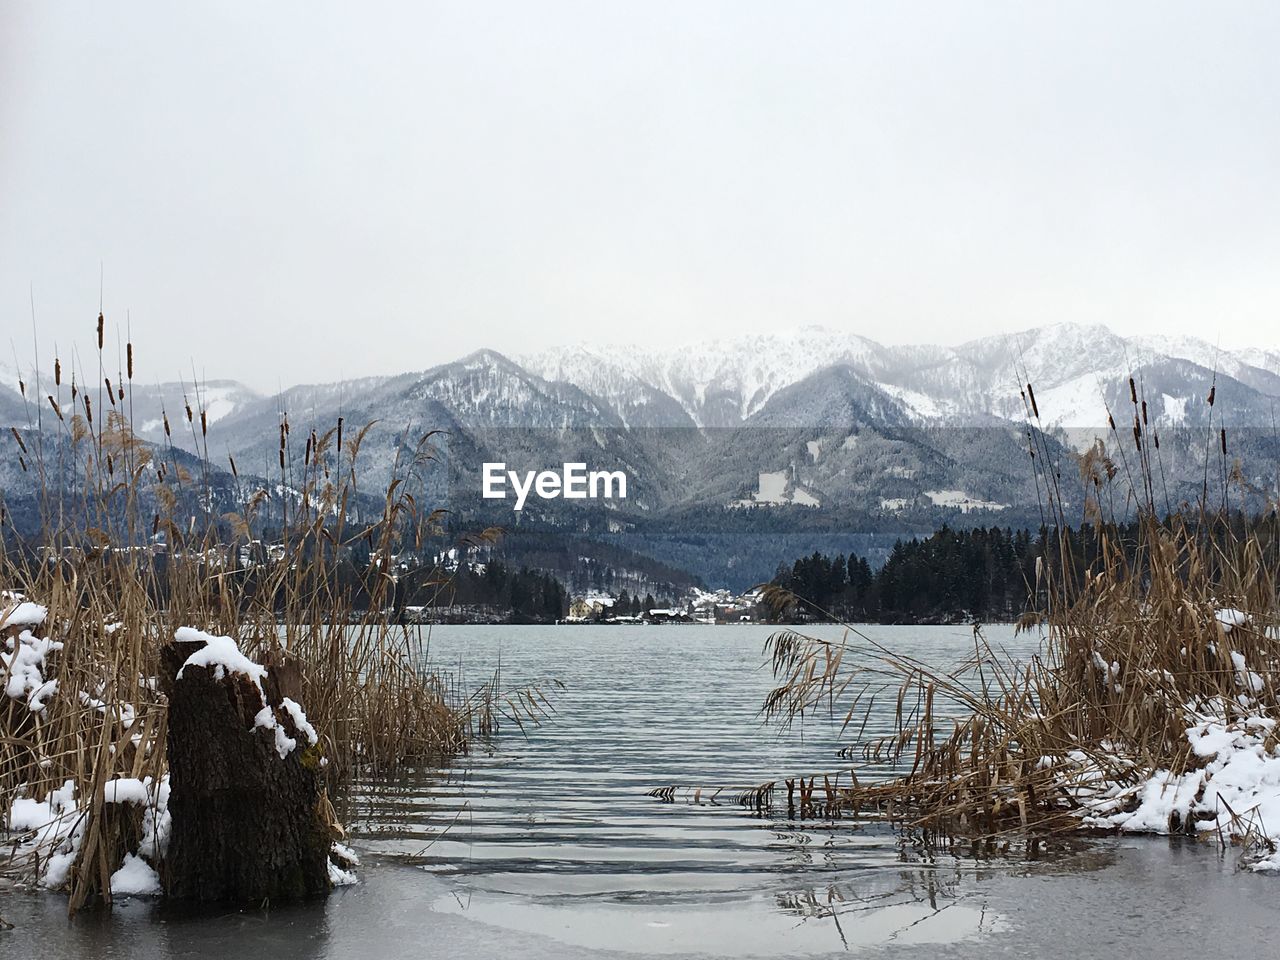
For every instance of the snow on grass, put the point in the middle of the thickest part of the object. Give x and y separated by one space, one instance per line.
157 823
53 830
24 614
1246 679
127 790
24 667
135 878
1229 619
1235 794
26 814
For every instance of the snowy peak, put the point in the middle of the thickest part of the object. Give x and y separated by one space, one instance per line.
1077 372
836 397
716 383
488 389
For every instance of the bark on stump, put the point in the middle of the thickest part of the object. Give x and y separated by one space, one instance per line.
247 825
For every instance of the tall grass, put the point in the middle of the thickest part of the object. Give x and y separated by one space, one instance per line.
1136 650
138 539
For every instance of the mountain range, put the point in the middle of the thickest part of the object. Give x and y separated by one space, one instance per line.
812 429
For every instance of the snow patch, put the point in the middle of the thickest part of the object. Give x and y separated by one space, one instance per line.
127 790
135 878
1229 619
1175 409
222 654
24 614
959 500
1236 794
24 666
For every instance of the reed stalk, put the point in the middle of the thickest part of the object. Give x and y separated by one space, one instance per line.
301 573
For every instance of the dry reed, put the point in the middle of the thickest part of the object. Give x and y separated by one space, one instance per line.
300 572
1136 649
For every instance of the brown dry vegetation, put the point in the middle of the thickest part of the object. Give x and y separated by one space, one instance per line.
113 605
995 748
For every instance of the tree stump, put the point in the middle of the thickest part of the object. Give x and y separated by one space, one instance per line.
247 823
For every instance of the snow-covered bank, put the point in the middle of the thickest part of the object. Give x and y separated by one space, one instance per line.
1233 797
48 827
1229 784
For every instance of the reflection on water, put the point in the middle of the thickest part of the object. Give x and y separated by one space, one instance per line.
556 833
550 846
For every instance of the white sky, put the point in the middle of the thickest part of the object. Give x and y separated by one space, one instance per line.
297 191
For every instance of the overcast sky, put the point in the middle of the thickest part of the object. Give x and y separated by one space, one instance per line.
297 191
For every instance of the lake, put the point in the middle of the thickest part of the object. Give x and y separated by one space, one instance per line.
549 845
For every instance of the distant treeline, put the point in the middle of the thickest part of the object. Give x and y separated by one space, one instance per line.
979 574
528 596
953 574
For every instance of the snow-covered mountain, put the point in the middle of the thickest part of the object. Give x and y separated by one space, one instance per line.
730 444
716 383
839 417
1075 370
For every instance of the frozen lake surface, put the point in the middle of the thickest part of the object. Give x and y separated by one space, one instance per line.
549 846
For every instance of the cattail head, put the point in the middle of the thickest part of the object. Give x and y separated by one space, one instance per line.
1223 438
204 424
128 359
1213 390
18 437
1144 413
56 409
234 471
1032 394
1133 391
101 324
57 372
164 417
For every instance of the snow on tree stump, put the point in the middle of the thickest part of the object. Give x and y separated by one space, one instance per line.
248 806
